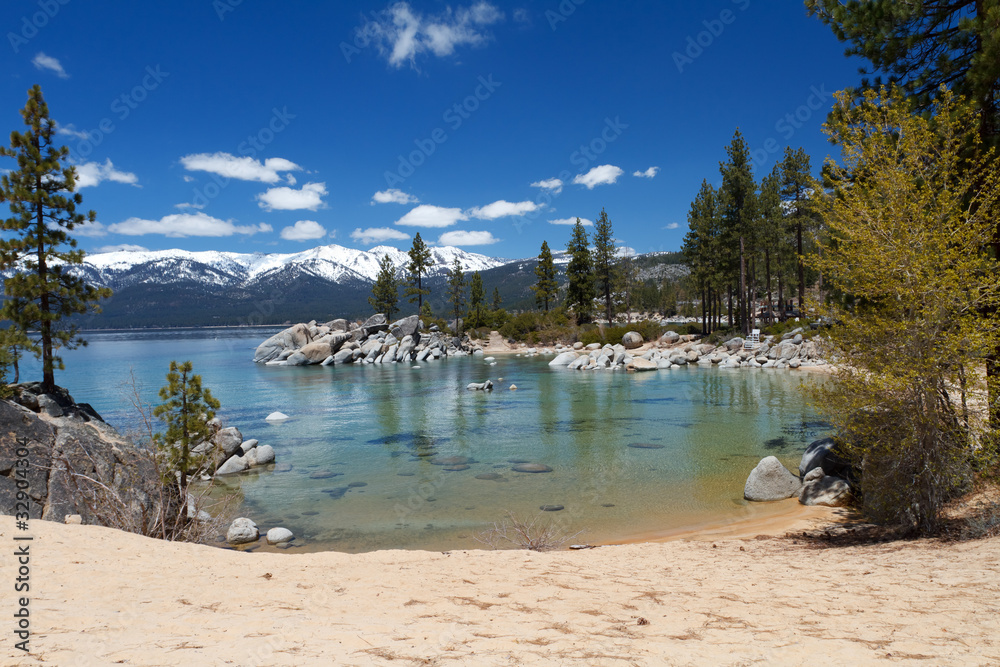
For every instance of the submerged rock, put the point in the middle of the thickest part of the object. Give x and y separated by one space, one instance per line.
531 467
276 417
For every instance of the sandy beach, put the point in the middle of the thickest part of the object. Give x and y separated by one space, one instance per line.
101 597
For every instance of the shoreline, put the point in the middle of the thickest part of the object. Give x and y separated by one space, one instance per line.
101 596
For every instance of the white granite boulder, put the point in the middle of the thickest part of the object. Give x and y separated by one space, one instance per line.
242 531
771 481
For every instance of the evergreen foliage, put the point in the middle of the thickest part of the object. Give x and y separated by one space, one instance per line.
385 291
580 274
477 302
546 288
456 293
43 292
186 411
605 263
420 261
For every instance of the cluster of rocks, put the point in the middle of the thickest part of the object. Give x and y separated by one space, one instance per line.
672 350
244 531
374 341
821 479
228 453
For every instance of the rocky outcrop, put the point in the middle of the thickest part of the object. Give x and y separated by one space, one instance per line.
821 489
823 454
632 340
375 341
63 453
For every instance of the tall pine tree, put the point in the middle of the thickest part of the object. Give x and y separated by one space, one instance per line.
580 275
545 286
477 301
605 263
186 411
739 201
43 291
420 261
385 292
795 184
456 293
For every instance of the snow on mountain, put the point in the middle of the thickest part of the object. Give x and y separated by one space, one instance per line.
333 263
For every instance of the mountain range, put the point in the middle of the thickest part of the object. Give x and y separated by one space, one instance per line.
180 288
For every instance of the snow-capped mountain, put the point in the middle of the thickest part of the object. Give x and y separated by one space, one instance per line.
332 263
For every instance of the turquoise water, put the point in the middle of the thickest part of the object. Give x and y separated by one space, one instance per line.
363 441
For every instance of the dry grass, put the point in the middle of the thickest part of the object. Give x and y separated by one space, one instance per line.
516 532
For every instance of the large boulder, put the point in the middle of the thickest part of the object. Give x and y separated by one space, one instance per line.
261 455
734 344
405 327
670 337
564 359
228 440
639 364
374 324
345 356
480 386
823 454
632 339
292 338
279 536
771 481
242 531
317 351
828 490
235 464
337 325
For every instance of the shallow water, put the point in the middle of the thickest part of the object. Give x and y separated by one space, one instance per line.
369 446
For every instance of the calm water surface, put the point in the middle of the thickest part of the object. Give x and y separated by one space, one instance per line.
363 441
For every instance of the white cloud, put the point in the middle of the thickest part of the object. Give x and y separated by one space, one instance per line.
89 229
42 61
179 225
672 225
426 215
625 251
649 173
70 129
309 197
553 184
393 196
376 235
303 230
401 34
90 174
188 179
502 209
240 168
186 205
123 247
461 238
606 174
571 221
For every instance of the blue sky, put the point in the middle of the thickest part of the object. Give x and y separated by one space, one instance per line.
267 127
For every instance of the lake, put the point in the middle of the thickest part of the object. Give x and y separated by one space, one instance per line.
363 441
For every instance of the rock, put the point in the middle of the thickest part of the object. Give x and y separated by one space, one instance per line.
639 364
489 476
632 340
792 334
829 491
233 465
242 531
337 325
480 386
316 352
48 405
564 359
813 475
262 455
577 345
374 324
823 454
406 326
247 445
530 467
670 337
771 481
343 357
783 351
279 536
513 387
276 417
298 359
734 344
73 520
228 440
551 508
292 338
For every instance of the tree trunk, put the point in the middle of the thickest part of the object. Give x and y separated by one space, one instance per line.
767 271
743 289
704 309
802 266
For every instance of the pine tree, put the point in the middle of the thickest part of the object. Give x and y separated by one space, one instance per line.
42 292
738 196
496 299
456 292
420 261
627 283
702 251
186 411
795 184
580 274
545 286
477 301
772 237
605 264
924 46
385 292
